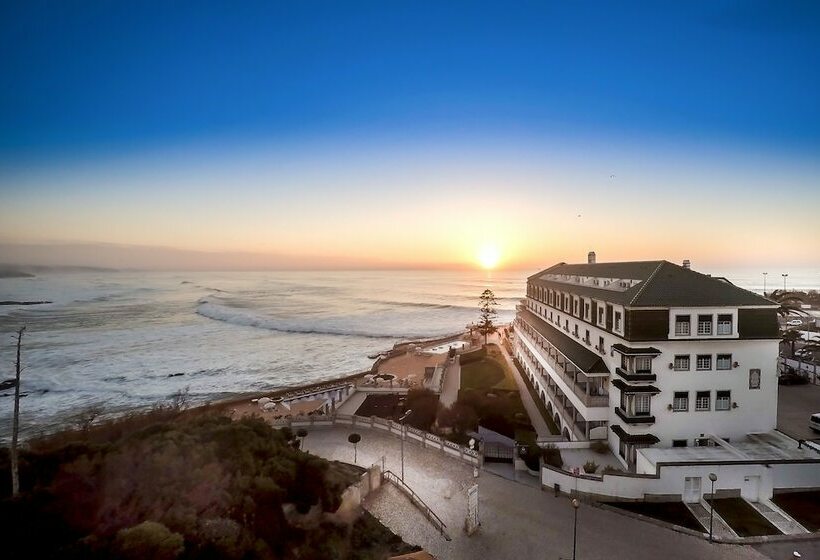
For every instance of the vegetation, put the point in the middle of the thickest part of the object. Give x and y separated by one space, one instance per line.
354 439
488 371
743 518
424 407
201 486
487 313
590 467
672 512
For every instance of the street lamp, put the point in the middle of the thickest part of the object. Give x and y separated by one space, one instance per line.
764 283
784 281
575 505
713 478
401 423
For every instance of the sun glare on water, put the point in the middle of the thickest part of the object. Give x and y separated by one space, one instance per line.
488 256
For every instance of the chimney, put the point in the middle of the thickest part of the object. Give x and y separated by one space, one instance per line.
686 264
591 257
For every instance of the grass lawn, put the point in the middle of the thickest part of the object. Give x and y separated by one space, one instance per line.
803 506
745 520
671 512
489 372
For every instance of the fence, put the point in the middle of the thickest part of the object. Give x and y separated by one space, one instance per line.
809 369
419 503
426 439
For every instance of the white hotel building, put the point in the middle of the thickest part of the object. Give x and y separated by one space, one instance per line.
649 354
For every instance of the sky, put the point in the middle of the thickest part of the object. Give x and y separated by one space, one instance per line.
307 134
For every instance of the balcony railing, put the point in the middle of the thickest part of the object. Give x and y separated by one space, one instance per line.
634 376
578 387
632 419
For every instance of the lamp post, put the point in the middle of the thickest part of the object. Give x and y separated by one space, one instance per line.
764 283
401 423
713 478
784 281
575 505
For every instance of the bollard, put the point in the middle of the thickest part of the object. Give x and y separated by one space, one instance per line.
557 489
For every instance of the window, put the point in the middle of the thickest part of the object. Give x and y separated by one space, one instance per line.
679 443
702 399
642 404
704 362
600 315
682 325
601 343
724 361
575 306
681 401
586 310
754 379
586 338
704 324
552 297
643 364
618 321
724 324
575 331
682 363
723 400
550 315
566 325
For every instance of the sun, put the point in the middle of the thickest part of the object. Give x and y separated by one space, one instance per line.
488 256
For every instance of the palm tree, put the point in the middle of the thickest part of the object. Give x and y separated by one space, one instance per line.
790 337
354 439
790 302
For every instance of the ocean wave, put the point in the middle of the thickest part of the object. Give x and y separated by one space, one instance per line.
331 326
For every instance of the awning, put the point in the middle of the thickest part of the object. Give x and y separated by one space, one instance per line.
628 351
648 439
626 388
583 358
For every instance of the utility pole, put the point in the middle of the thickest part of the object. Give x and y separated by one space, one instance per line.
15 427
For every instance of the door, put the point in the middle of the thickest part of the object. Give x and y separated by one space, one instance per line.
751 488
691 489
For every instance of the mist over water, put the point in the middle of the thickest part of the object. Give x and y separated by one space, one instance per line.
128 339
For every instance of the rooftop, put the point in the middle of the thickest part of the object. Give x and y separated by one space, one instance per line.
647 284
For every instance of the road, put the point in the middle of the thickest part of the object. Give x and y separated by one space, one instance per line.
517 521
795 404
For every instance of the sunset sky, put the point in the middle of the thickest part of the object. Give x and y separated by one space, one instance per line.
405 134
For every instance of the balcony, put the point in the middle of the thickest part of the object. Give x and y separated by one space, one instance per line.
590 391
634 419
635 376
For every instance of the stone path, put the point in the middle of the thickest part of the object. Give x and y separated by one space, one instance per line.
719 527
351 405
517 522
779 518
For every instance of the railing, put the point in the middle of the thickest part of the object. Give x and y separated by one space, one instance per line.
577 388
426 439
419 503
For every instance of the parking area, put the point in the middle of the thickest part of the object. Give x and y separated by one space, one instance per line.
796 403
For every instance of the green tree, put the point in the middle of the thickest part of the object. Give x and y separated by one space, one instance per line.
149 539
487 313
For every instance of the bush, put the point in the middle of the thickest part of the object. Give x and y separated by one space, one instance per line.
599 447
610 470
531 455
149 539
590 467
552 456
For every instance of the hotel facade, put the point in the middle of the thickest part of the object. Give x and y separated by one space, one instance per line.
648 355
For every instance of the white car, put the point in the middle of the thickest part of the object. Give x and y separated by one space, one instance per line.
794 322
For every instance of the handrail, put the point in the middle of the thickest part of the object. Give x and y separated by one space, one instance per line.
419 503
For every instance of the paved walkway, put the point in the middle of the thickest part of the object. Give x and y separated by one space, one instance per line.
351 405
536 419
452 383
517 521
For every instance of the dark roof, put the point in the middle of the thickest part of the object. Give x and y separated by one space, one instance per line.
635 388
633 438
630 351
585 359
662 284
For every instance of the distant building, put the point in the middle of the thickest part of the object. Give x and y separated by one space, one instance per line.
648 354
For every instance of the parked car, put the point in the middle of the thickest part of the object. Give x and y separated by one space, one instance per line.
792 378
814 422
794 322
804 353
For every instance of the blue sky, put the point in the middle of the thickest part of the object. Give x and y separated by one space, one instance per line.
718 89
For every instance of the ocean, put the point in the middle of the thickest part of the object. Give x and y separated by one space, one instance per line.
131 339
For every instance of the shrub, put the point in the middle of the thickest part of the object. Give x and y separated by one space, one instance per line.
590 467
599 447
552 456
610 470
149 539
